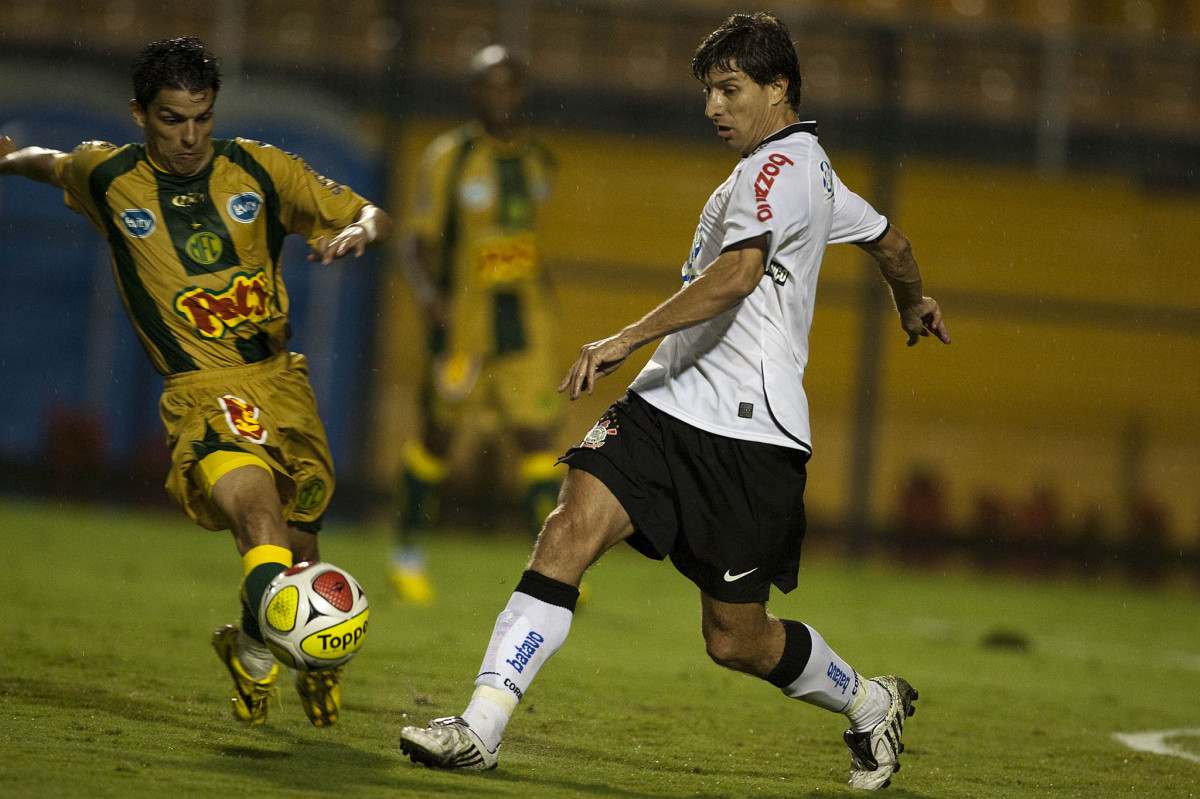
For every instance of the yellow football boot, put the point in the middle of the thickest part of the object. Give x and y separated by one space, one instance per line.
320 694
411 583
251 696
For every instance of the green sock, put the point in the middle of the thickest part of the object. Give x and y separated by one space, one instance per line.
253 588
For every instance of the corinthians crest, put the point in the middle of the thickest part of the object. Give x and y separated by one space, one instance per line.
599 434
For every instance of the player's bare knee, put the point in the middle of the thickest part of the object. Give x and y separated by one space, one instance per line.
725 649
255 526
565 547
742 641
559 523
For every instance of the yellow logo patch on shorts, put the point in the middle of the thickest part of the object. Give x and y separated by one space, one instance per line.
243 419
311 494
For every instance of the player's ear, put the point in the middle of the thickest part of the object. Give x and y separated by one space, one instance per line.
139 113
779 90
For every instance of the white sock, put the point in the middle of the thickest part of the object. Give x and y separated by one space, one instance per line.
254 656
527 632
870 708
827 681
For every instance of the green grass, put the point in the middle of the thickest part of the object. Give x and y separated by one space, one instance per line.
108 686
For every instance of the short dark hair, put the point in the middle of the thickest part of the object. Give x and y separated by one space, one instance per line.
757 44
181 63
494 55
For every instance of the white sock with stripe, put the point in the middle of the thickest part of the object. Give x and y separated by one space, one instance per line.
528 631
809 670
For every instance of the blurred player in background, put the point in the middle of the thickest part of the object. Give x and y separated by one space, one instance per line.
472 254
704 459
195 227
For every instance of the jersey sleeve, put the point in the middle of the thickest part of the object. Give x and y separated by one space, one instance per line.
310 204
854 220
74 174
771 195
545 175
428 198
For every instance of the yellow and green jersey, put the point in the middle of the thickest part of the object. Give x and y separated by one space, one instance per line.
477 202
197 258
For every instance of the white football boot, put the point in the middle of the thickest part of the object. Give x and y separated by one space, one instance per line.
875 755
448 743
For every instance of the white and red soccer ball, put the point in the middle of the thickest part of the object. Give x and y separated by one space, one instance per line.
314 616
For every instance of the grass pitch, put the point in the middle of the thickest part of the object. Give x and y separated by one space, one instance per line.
108 686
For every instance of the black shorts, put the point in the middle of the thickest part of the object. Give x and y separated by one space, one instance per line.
729 513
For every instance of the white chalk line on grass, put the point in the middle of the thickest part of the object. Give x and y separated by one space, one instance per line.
1158 743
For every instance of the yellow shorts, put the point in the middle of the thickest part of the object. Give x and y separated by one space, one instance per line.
518 389
265 409
500 357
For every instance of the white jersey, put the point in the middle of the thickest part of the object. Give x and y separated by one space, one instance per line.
740 374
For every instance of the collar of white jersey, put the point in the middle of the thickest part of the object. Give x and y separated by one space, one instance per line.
796 127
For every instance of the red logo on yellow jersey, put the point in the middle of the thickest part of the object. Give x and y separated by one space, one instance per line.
243 419
506 259
246 299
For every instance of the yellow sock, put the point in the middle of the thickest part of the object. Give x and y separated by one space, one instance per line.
260 566
266 553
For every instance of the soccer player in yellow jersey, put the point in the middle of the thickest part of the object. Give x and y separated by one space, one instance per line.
195 226
472 251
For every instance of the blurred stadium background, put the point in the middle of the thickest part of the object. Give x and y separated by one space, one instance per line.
1042 155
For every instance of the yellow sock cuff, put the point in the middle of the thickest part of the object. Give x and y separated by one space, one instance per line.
220 463
266 553
425 466
504 699
539 467
860 698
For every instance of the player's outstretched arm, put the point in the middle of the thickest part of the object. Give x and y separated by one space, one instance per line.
727 281
371 226
919 315
35 163
415 256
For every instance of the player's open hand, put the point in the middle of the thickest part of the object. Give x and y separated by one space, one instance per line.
596 360
353 239
922 320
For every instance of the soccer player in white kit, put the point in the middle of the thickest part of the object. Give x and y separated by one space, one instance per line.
703 459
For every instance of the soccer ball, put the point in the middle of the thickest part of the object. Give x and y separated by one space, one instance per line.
314 616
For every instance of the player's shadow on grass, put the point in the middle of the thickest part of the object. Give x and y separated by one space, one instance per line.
145 717
677 779
291 764
561 787
550 787
91 705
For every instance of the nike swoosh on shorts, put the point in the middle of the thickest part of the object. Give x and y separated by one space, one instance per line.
729 578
